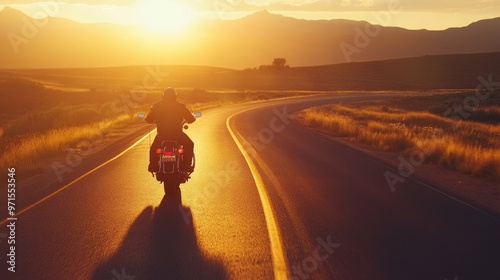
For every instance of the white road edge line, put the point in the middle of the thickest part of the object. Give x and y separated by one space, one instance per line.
279 261
79 178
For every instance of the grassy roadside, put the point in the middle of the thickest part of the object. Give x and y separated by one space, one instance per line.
415 126
42 123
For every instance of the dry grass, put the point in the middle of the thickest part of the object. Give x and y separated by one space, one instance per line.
467 146
32 150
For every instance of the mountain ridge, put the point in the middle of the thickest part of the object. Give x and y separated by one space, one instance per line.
247 42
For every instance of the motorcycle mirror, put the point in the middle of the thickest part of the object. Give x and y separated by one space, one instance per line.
141 115
197 115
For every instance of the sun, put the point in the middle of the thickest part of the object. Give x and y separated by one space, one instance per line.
165 16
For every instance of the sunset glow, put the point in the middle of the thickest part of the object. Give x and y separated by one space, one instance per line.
164 16
173 16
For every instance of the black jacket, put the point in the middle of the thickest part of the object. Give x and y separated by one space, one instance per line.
168 116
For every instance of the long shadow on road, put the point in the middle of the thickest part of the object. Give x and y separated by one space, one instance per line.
161 244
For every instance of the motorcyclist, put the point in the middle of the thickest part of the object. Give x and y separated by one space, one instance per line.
169 116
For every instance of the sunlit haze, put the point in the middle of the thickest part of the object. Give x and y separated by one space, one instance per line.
164 16
328 139
175 15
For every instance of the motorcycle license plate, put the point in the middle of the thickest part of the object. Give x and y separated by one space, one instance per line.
168 158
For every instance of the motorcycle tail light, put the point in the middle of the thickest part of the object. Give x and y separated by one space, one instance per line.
158 151
168 153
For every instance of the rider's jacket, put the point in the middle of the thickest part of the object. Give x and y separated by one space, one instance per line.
168 116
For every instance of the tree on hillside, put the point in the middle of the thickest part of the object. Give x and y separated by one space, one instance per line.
278 64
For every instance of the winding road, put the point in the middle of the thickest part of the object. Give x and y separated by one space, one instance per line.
269 199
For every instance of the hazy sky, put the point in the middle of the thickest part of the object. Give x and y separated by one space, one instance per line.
412 14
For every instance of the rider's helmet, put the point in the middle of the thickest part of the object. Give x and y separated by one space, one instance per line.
169 94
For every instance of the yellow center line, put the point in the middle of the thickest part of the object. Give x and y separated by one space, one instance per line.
79 178
278 256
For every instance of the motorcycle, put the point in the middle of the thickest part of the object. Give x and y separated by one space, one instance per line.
170 160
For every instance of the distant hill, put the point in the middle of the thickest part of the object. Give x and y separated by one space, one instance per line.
123 78
418 73
461 71
247 42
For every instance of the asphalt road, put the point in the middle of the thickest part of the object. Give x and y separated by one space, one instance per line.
269 199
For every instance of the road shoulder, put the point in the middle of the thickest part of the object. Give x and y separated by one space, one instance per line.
478 192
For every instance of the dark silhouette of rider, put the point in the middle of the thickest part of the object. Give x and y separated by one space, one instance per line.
169 116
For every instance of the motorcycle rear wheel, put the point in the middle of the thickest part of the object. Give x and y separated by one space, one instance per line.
171 185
